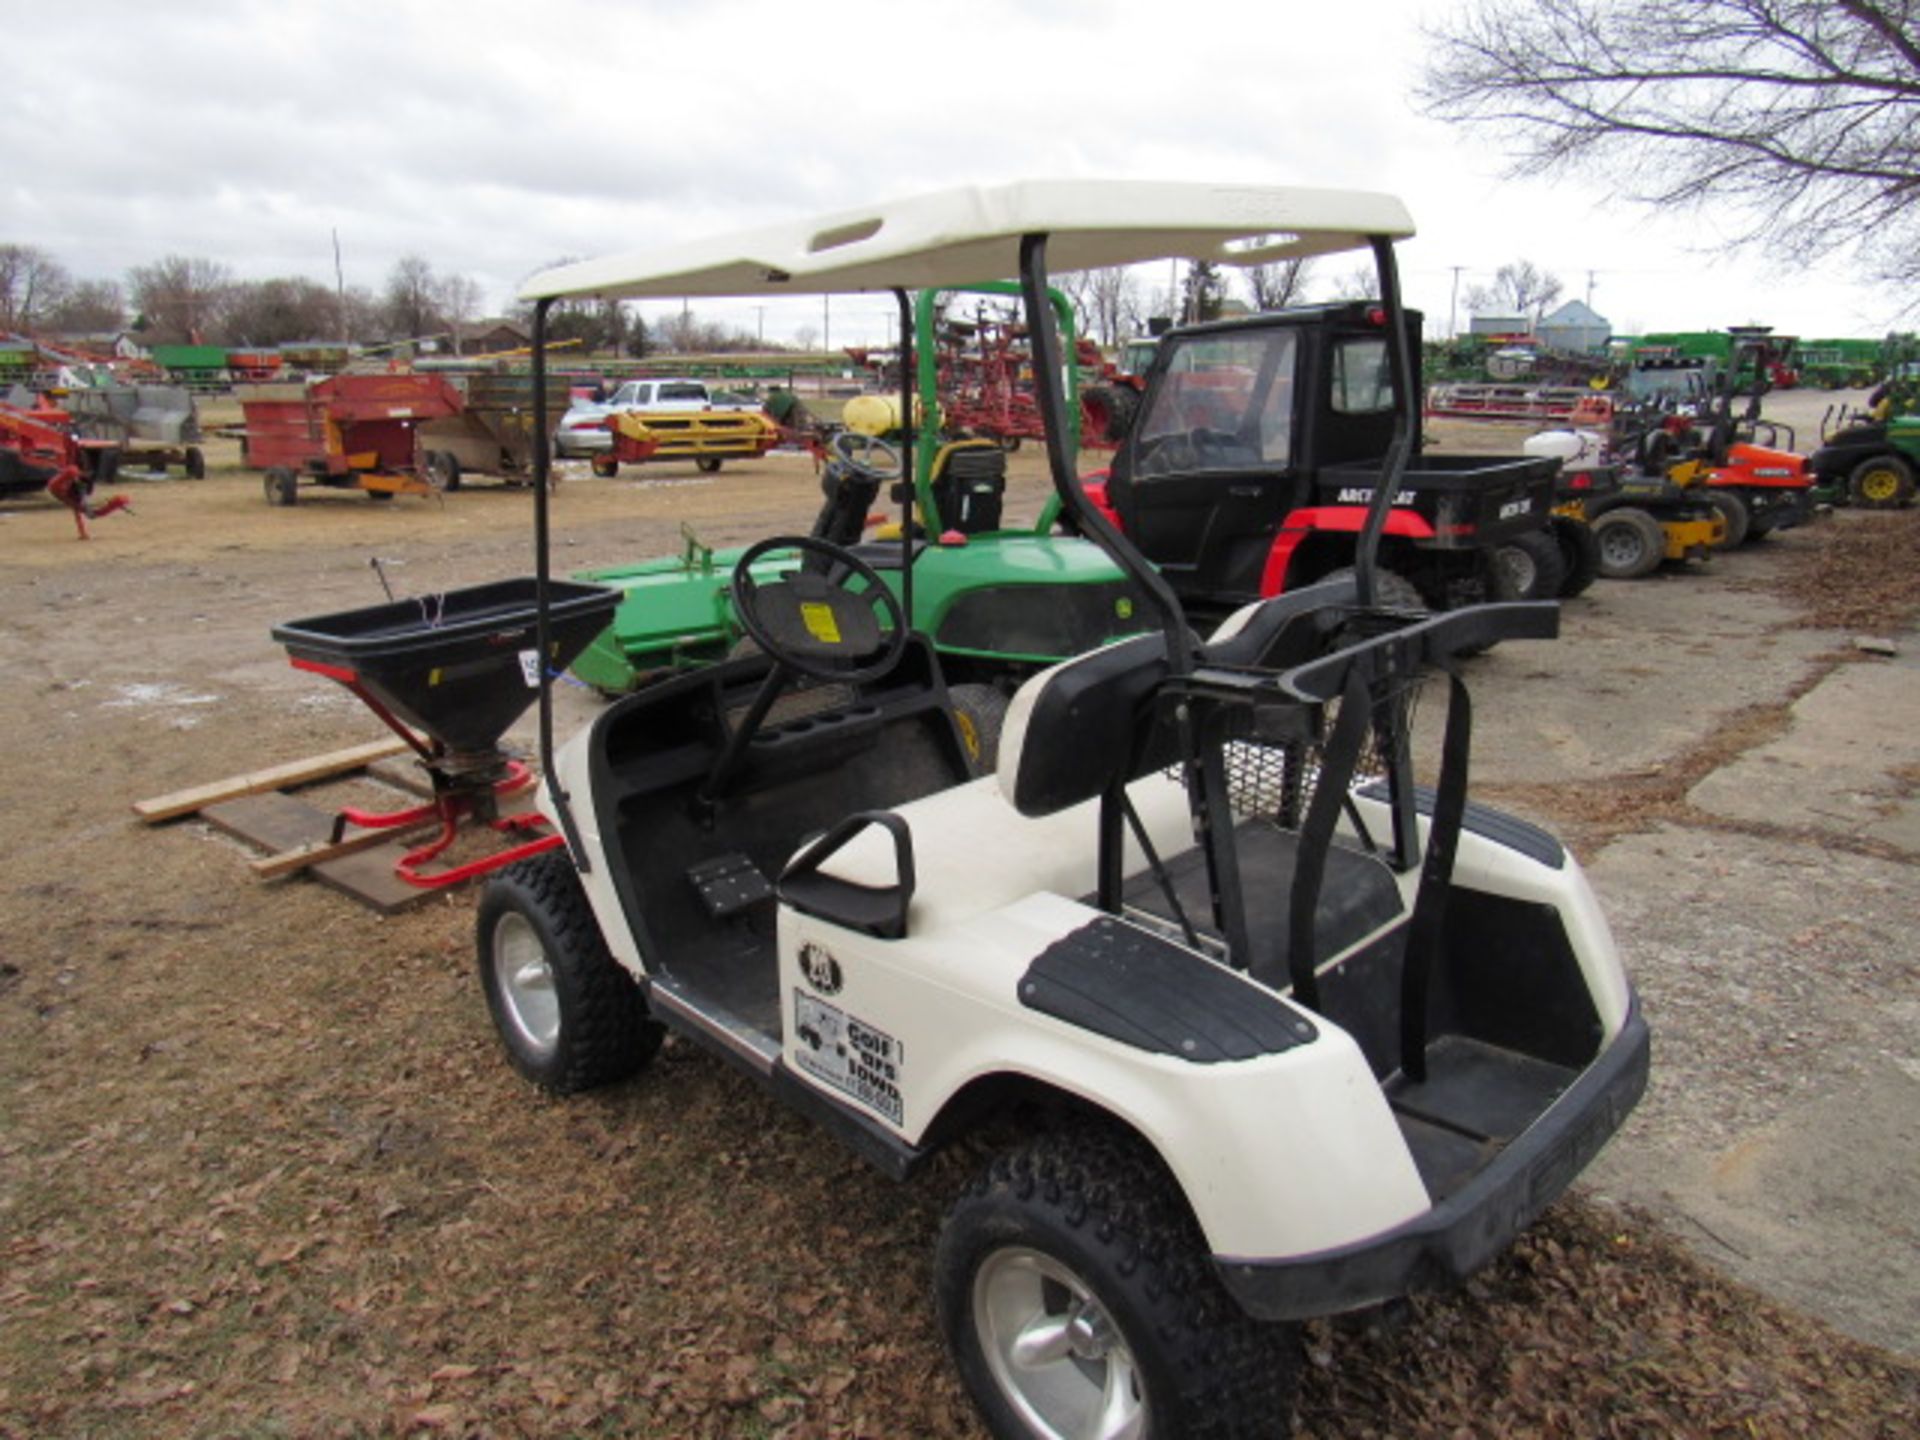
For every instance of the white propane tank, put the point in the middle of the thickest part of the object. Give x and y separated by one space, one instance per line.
1572 448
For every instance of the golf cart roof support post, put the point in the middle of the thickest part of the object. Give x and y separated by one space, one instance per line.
1400 793
1049 386
1400 369
542 472
907 491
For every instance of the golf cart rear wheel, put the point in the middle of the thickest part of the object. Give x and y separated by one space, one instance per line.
570 1017
979 712
1632 544
1579 551
1735 512
1882 482
1078 1297
1531 567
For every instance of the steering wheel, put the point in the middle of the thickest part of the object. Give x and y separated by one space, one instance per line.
867 455
810 622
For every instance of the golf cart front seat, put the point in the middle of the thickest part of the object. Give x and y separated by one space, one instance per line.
1032 827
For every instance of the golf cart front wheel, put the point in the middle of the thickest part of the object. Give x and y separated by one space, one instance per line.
570 1017
1078 1298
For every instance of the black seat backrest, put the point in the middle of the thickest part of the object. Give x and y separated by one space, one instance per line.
1071 728
1282 632
969 484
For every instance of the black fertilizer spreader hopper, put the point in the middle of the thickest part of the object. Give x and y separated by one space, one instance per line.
449 673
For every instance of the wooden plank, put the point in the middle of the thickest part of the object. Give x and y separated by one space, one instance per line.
281 822
369 878
285 862
294 772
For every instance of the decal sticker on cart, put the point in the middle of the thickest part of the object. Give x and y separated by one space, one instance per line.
820 968
851 1056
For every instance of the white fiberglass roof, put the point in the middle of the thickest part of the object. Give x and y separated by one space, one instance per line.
962 236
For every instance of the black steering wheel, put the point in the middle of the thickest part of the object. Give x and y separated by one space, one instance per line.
811 622
867 455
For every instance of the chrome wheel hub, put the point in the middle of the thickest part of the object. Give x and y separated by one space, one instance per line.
1054 1351
524 980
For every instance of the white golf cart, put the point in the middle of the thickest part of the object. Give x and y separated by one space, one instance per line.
1286 1033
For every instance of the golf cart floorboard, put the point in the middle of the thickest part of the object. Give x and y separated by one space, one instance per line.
1476 1099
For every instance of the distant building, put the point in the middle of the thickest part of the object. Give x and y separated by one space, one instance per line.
492 335
1499 325
1575 329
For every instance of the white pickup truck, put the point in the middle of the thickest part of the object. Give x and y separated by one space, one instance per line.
656 395
583 432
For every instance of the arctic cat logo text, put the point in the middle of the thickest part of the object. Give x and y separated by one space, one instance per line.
821 969
1357 495
1515 507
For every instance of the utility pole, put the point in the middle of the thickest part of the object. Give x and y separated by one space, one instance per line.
340 285
1590 278
760 325
826 324
1453 305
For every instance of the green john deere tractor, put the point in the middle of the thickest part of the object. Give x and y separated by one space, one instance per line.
998 603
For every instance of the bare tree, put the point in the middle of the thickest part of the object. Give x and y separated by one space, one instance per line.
273 312
413 300
459 300
32 283
1518 288
1362 282
89 307
1802 112
180 295
806 336
1113 296
1278 283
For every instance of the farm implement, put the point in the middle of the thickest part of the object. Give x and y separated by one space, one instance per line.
448 674
38 451
348 432
707 437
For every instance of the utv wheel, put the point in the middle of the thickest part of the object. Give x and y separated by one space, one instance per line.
1078 1298
1882 482
1738 517
1579 551
282 486
570 1016
195 464
1531 567
979 711
708 464
1632 544
605 466
1391 590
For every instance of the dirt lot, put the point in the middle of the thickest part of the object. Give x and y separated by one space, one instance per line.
263 1172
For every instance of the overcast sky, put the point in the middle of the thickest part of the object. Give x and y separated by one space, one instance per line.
491 138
